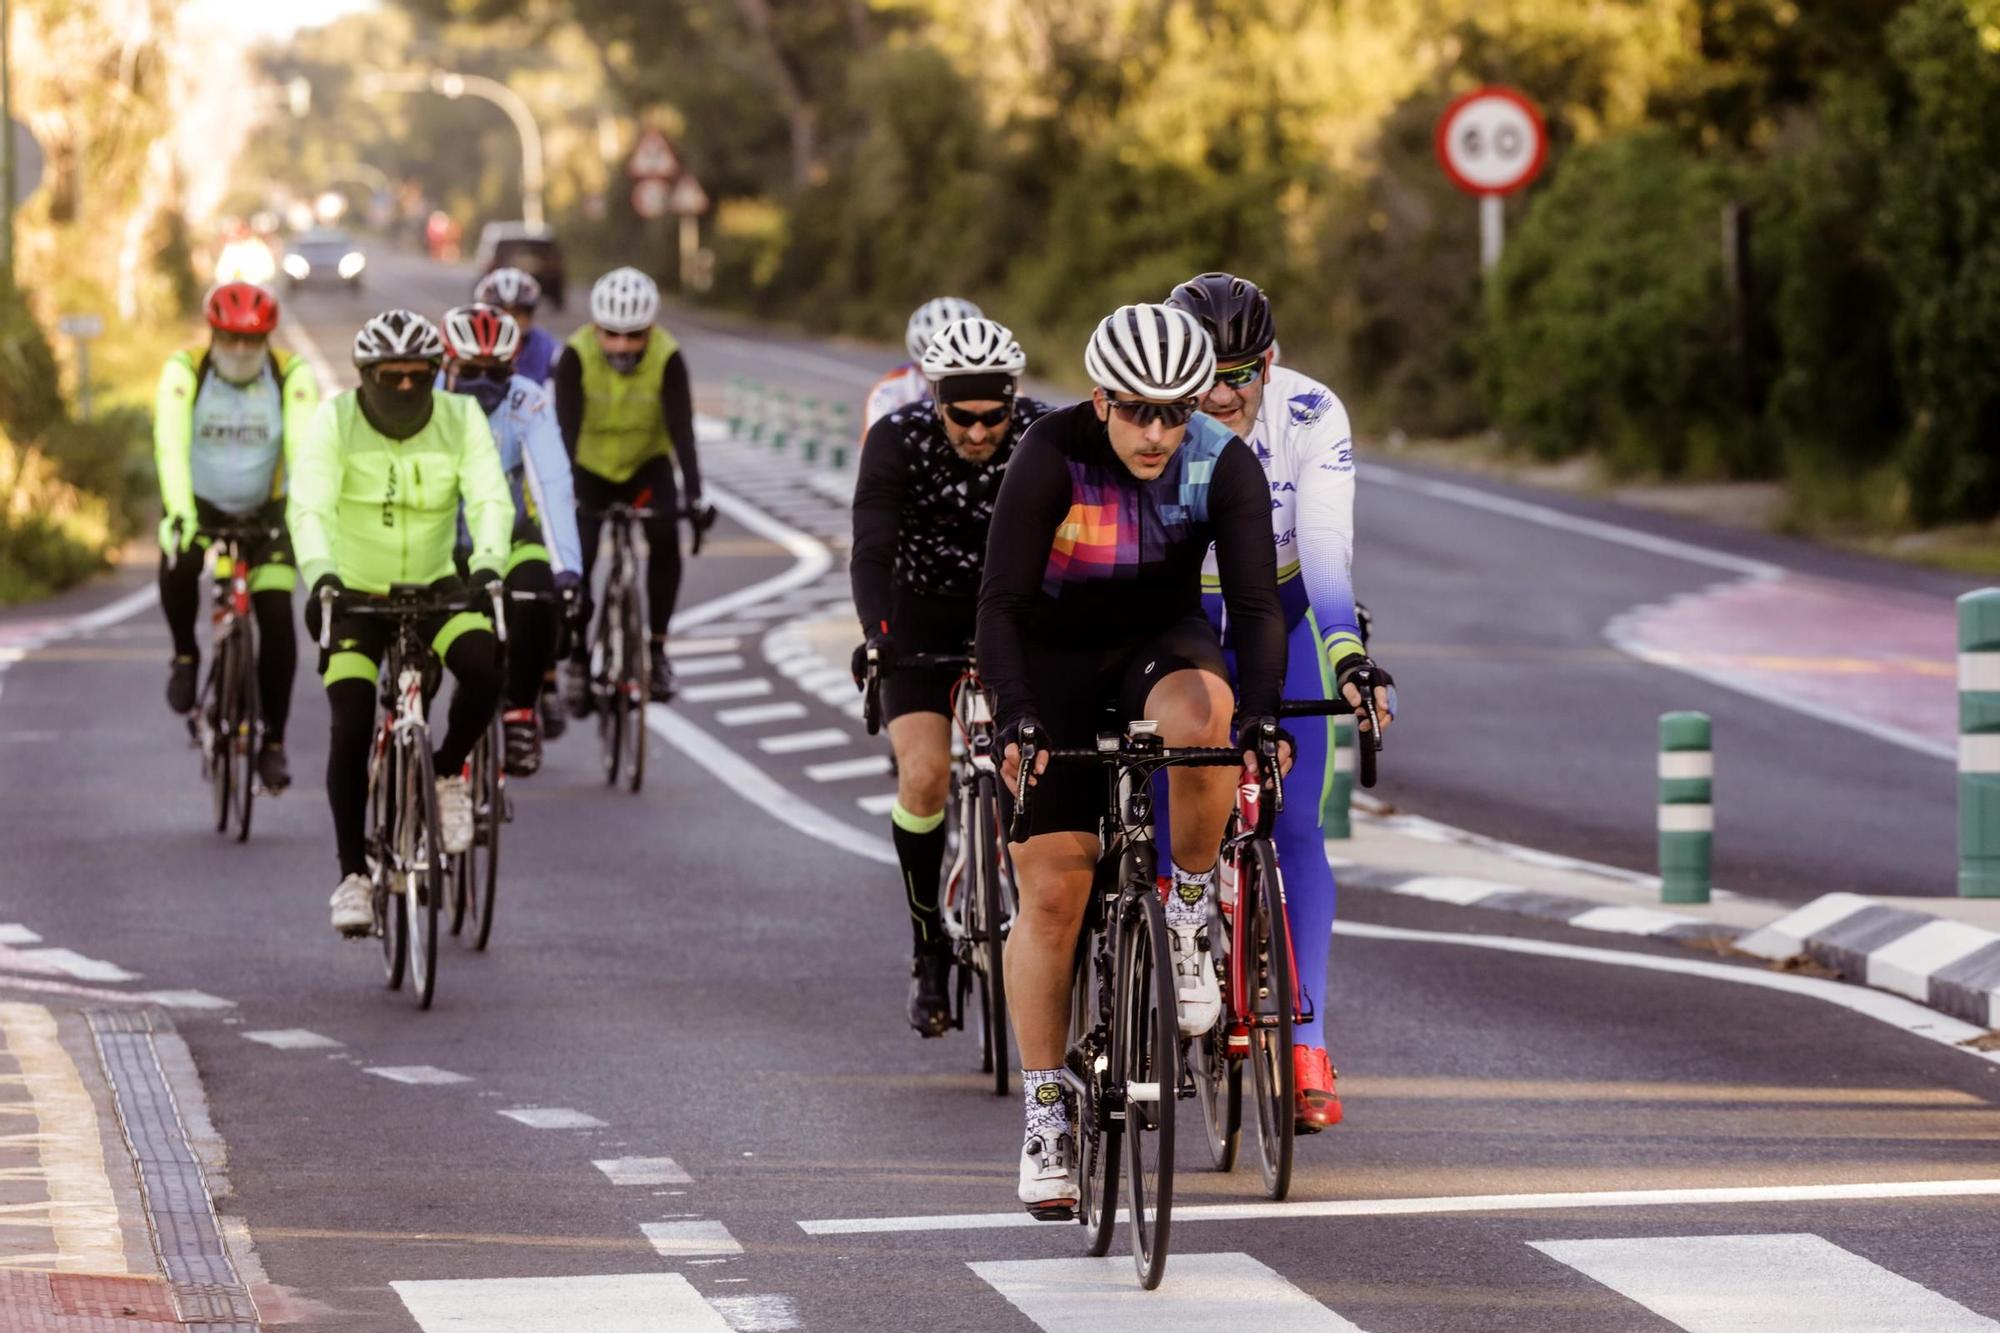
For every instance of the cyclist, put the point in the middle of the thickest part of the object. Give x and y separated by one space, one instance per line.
907 384
1298 430
517 293
376 492
480 347
1091 597
929 474
226 422
627 417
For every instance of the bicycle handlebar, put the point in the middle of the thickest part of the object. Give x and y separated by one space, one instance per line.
871 680
1123 756
410 606
1370 739
701 519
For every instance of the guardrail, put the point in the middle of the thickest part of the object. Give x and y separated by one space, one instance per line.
819 430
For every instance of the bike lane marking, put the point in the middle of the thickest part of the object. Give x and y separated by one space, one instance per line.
1202 1291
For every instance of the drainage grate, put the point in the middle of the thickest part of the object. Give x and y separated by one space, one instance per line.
208 1293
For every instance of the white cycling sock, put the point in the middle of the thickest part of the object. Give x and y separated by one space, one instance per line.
1047 1108
1187 900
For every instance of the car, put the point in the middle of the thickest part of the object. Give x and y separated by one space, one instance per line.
324 257
533 250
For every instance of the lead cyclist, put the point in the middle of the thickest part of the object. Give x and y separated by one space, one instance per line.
1299 431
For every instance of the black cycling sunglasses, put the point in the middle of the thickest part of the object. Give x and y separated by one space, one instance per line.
1240 377
1145 413
467 373
968 418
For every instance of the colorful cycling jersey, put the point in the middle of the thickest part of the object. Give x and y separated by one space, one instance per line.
921 511
1302 438
897 389
537 358
223 443
537 468
1082 554
378 511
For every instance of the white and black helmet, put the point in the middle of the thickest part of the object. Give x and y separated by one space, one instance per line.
972 347
624 301
1151 351
397 335
933 315
508 288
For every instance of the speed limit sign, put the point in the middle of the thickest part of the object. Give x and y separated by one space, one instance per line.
1491 141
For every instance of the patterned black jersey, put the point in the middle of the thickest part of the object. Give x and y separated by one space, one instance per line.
921 511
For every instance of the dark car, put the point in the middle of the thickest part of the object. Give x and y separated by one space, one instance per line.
324 258
532 250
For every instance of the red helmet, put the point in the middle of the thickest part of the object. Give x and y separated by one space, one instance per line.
241 307
480 333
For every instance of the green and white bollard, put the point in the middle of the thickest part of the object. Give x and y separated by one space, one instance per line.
734 399
1687 808
757 425
1979 744
779 405
809 427
1336 815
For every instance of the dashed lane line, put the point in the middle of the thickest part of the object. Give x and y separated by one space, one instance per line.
839 770
415 1074
707 666
290 1039
643 1171
552 1117
752 714
880 804
697 647
825 738
689 1239
749 688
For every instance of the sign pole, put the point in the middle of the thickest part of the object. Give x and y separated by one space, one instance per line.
1492 230
7 164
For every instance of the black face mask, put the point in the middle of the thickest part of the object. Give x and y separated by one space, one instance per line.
624 362
396 411
489 394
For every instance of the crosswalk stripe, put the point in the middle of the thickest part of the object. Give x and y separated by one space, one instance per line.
694 1236
788 711
726 689
419 1074
1202 1292
824 738
290 1039
552 1117
1797 1283
706 666
617 1303
867 766
643 1171
757 1314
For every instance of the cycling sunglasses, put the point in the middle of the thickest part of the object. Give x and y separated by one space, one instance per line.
468 373
1145 414
1240 377
967 418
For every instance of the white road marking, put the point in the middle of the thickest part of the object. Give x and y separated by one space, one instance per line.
618 1303
72 963
81 1212
1441 1205
184 999
877 805
1897 1012
291 1039
683 1240
836 679
823 739
727 689
811 560
739 626
697 647
707 666
756 1314
1782 1284
552 1117
867 766
1630 920
14 933
1203 1291
788 711
643 1171
1906 965
415 1074
1451 889
761 790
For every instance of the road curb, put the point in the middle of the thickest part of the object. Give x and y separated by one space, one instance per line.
1561 909
1949 965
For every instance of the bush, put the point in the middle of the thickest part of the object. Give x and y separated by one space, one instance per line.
51 534
30 386
106 456
1609 326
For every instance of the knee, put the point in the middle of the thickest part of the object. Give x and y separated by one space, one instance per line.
923 777
1194 708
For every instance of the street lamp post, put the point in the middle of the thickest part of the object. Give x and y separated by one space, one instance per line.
453 85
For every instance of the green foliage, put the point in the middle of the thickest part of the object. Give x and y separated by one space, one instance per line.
51 534
30 388
1610 326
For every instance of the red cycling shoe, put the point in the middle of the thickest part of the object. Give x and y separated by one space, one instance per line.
1313 1076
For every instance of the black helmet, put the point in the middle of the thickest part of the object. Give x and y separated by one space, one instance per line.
1236 314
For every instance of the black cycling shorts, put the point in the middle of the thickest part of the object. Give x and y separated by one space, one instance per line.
1080 692
926 624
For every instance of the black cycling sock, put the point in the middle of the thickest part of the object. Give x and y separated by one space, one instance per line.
353 705
472 662
531 634
180 599
277 659
920 847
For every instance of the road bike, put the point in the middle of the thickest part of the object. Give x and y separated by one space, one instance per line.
1123 1060
977 900
620 675
227 723
1251 940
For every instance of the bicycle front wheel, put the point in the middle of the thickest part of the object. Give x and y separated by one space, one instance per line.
421 850
1097 1134
489 812
221 737
607 677
1268 978
987 926
243 729
636 694
1146 1058
385 876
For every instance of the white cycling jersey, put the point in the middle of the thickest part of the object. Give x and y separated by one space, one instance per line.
1302 438
893 392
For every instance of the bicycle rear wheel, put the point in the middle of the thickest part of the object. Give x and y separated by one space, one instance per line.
986 926
1098 1136
1146 1061
489 813
385 878
1218 1080
243 731
607 678
1268 978
636 695
221 734
421 850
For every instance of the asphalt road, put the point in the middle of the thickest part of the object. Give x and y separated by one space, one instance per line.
700 979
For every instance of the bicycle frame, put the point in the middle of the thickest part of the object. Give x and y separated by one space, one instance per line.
1248 825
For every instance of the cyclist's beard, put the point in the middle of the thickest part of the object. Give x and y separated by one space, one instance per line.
397 413
237 365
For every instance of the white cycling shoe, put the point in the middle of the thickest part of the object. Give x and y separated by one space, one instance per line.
455 814
1048 1174
1197 996
353 906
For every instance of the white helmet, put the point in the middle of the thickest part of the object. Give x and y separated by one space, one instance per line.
972 347
1151 351
397 335
509 288
933 315
624 301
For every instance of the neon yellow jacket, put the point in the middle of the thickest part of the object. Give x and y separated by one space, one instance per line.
623 428
173 427
378 511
